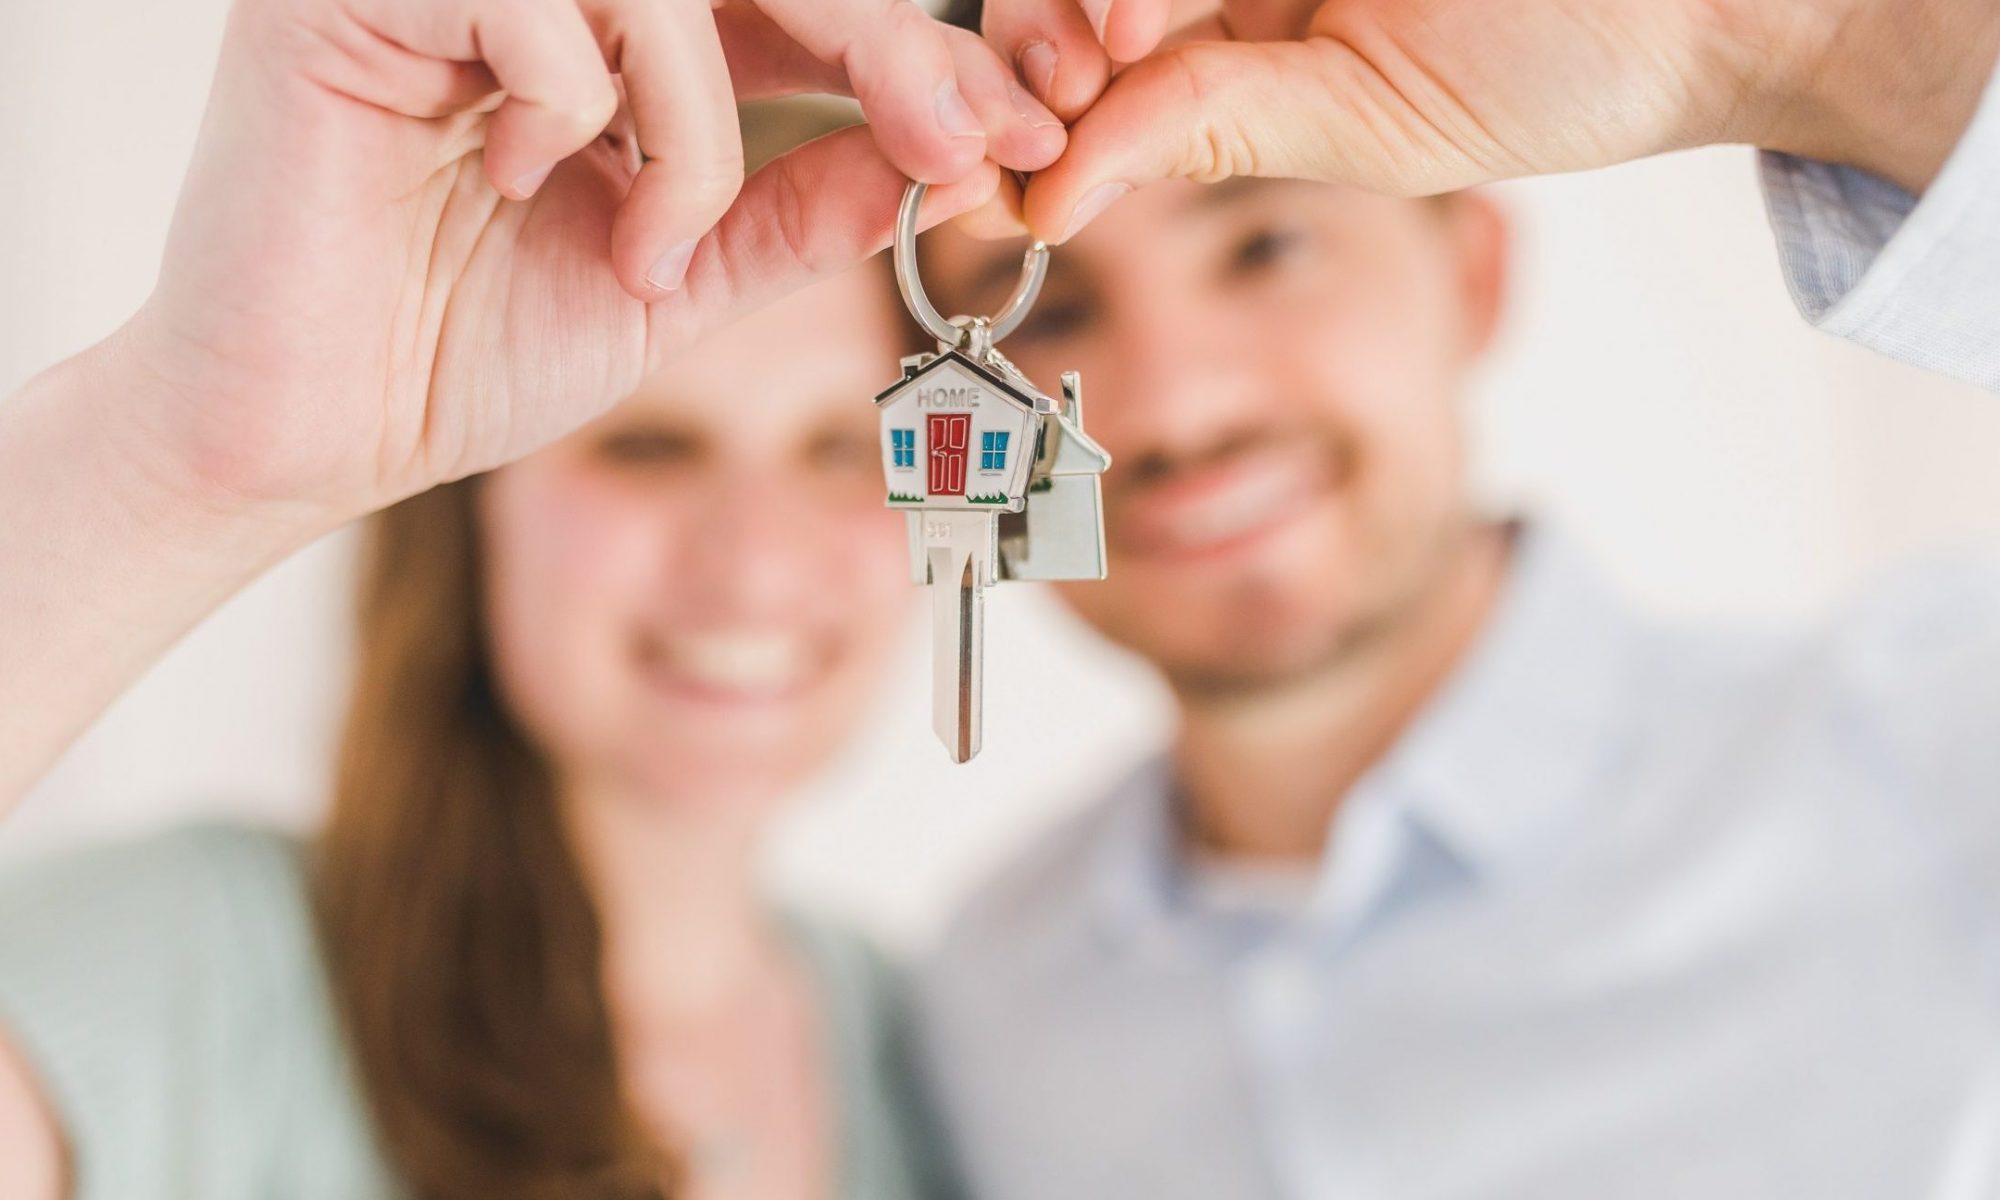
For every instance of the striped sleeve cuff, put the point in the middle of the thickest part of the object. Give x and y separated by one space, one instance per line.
1916 280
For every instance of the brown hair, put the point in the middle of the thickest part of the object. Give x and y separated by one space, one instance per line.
462 943
461 939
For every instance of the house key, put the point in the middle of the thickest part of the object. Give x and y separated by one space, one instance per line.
997 479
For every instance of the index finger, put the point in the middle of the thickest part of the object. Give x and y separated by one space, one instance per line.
1064 49
900 69
684 112
559 94
1210 111
1053 49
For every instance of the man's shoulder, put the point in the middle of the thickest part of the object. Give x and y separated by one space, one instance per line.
1906 623
1915 659
1931 613
1900 680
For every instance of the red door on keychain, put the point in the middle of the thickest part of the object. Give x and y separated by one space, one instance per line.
949 437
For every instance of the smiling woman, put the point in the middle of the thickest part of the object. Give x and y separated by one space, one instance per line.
528 958
643 636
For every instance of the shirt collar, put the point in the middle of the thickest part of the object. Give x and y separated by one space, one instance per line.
1513 743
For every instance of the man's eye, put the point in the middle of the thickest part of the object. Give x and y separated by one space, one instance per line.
645 447
1266 248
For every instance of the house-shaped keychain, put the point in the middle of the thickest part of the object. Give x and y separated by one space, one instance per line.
997 480
960 435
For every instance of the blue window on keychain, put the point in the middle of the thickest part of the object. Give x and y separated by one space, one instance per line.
993 451
903 447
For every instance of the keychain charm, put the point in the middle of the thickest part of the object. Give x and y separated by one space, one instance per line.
998 480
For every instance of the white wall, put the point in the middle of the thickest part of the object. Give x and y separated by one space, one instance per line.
1655 392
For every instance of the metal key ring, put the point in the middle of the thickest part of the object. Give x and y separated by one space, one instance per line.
1034 269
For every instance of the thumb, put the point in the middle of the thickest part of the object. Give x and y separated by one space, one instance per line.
1209 111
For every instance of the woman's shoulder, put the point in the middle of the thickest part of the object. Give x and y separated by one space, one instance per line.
168 993
196 852
129 938
852 966
893 1141
179 891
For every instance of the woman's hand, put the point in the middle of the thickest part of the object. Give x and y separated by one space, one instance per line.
421 238
1422 96
417 240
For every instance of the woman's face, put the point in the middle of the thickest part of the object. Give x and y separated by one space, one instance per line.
691 598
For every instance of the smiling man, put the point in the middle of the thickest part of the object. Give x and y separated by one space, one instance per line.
1461 879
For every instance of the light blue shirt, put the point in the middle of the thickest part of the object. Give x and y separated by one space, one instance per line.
169 995
1633 911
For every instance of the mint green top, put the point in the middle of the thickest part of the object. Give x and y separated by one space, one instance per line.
169 995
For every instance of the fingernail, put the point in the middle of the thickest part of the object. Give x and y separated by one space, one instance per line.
671 269
1099 11
1030 109
1037 64
525 186
1095 201
954 116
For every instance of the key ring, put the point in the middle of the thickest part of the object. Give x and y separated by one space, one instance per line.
1034 269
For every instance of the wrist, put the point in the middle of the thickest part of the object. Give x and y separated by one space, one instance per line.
162 425
104 418
108 552
1888 86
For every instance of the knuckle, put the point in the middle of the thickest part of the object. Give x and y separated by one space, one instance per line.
710 154
907 18
1215 146
1217 152
706 193
908 34
593 104
789 216
603 103
573 109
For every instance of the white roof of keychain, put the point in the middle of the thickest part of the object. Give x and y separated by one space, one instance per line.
1017 390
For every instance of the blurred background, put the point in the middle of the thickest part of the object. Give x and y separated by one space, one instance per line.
1656 395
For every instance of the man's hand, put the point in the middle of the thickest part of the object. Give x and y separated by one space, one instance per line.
1422 96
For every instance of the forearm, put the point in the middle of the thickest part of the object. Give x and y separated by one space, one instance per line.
108 553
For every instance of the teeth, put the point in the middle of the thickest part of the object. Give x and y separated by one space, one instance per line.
739 662
1244 506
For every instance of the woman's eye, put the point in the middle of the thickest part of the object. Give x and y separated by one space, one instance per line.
845 452
645 447
1052 319
1265 248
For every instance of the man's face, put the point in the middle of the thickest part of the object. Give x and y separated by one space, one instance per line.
1274 367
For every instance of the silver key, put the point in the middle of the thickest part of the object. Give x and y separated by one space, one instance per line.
999 481
959 550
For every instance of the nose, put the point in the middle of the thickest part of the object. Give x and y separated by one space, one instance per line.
751 551
1180 375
